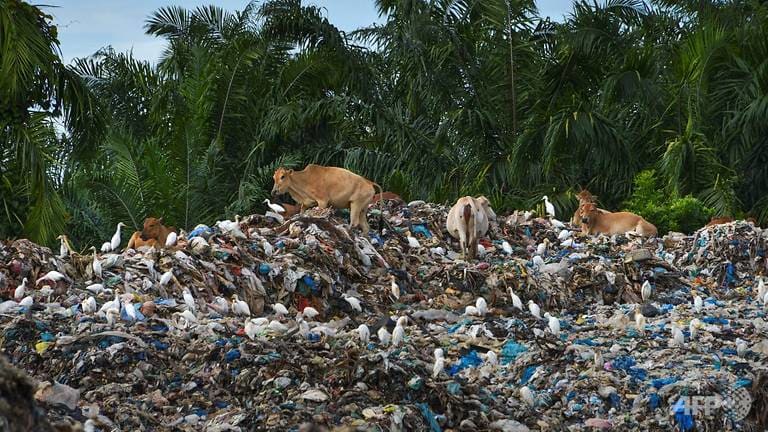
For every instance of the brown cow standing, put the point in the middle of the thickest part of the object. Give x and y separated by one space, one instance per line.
153 234
328 187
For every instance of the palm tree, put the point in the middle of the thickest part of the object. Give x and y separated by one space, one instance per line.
37 90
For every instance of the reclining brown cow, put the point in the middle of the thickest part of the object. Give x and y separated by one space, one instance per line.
153 234
596 222
328 187
584 197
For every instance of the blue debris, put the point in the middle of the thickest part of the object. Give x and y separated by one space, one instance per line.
430 417
232 355
161 346
743 382
661 382
203 231
587 342
47 337
683 416
654 401
511 350
467 361
421 229
454 388
714 320
529 371
264 268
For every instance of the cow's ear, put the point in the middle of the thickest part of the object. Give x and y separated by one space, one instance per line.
160 220
290 171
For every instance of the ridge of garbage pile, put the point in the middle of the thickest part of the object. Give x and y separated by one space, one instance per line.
589 363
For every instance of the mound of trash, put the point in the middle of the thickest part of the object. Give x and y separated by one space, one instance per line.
546 330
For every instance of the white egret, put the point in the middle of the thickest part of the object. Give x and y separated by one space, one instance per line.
280 310
88 305
363 333
516 302
548 206
240 307
52 276
18 293
189 300
310 312
354 302
166 277
527 395
482 306
741 347
383 335
394 287
439 363
115 242
645 291
96 265
398 334
534 309
277 208
698 303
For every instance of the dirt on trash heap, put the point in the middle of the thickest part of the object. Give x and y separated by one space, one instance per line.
161 367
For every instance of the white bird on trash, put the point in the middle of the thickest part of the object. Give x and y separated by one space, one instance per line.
645 291
231 228
112 314
112 304
189 300
394 288
277 208
18 293
538 262
280 310
171 239
412 242
89 305
698 303
471 310
516 302
383 335
527 215
220 305
52 276
554 324
597 360
354 302
541 248
439 363
491 358
63 249
363 333
564 234
114 243
527 396
557 224
106 247
96 288
310 312
693 327
255 326
765 301
268 248
761 289
482 306
188 316
130 310
678 339
567 243
277 326
166 277
534 309
548 206
741 347
96 265
398 334
639 321
240 307
506 247
27 301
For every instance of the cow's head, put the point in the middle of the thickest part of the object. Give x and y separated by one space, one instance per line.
152 228
282 180
584 196
588 212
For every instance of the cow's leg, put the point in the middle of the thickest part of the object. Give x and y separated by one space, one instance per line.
363 219
354 213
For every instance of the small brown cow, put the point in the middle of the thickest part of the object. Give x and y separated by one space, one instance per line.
328 187
153 234
596 222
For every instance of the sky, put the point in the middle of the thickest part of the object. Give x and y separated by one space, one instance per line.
87 25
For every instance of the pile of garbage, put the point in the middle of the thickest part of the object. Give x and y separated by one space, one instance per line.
304 325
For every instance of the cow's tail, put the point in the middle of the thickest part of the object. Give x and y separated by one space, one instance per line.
469 229
380 205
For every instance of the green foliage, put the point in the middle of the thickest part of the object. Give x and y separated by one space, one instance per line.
443 98
667 211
